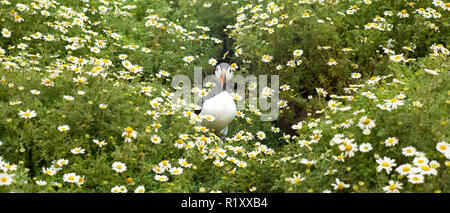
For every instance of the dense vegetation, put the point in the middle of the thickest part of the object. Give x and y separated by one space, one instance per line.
86 102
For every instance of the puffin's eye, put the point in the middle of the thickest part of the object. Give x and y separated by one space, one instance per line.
217 72
229 73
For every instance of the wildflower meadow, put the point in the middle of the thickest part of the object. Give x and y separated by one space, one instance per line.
88 102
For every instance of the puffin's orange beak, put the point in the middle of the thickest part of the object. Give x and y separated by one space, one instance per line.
223 77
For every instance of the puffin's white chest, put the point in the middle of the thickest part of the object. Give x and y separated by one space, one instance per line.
222 107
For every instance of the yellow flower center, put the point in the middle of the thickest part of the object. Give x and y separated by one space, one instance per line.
443 147
4 180
119 167
366 121
27 114
392 187
425 168
406 169
348 147
129 130
385 164
71 178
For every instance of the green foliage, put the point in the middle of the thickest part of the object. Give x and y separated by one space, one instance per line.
418 125
93 75
322 31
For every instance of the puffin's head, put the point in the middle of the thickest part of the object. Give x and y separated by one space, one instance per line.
224 72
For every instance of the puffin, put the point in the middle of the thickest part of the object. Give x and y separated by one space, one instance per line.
218 102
